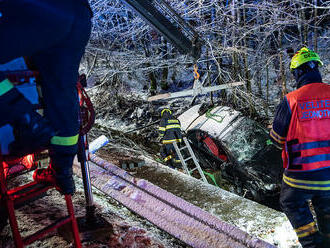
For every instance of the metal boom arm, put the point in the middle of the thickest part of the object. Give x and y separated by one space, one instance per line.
186 43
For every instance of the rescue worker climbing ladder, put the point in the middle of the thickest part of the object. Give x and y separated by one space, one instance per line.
306 151
169 132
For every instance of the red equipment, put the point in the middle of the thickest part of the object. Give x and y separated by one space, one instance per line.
213 147
14 198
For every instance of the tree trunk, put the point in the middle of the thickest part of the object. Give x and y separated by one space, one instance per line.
163 83
246 58
282 68
315 25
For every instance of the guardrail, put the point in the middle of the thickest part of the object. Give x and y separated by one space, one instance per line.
179 218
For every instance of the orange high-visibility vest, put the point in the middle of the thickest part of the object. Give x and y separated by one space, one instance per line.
307 145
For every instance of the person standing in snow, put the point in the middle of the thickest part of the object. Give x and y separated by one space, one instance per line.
169 132
53 35
301 125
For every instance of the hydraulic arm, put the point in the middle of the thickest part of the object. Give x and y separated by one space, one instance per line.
181 35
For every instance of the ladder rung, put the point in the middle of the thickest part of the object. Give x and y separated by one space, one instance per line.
183 148
193 170
187 159
46 230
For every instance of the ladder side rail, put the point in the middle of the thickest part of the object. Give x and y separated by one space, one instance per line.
9 205
178 152
195 160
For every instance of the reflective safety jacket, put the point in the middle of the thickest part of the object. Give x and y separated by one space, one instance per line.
169 129
307 144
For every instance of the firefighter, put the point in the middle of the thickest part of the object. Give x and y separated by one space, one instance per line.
169 132
53 35
301 125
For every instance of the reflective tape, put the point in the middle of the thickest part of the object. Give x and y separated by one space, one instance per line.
5 86
306 184
171 141
306 230
279 139
64 141
310 145
173 126
167 158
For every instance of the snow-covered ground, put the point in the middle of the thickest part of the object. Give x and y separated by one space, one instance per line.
129 230
256 219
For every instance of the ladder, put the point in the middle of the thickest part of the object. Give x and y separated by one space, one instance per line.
192 156
12 199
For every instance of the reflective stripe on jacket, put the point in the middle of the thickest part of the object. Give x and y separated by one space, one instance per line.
170 130
307 145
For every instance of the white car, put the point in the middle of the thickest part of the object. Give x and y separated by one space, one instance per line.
224 140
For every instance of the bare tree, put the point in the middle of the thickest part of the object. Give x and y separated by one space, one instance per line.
246 40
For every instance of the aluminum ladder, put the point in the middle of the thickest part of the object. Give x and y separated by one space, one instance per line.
192 156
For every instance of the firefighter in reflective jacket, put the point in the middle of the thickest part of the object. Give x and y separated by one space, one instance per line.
169 132
301 125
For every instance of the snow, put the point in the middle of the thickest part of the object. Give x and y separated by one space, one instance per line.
216 127
256 219
129 230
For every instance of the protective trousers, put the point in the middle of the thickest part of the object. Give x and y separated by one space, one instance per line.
296 202
168 154
53 34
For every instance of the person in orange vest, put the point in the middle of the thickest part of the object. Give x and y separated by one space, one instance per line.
301 126
169 132
53 34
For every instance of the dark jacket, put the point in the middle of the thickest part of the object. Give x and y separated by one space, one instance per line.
169 129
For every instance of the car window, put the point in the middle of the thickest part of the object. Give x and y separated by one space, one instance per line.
245 140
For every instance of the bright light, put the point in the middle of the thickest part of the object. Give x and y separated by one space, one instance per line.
28 161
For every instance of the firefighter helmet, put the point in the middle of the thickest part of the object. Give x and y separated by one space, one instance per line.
165 110
303 56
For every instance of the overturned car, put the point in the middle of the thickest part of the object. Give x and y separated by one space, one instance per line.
237 150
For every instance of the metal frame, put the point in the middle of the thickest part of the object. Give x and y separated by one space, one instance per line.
16 197
172 33
198 89
192 156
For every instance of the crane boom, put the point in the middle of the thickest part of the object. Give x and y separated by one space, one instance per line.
181 35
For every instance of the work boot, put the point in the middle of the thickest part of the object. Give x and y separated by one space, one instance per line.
62 181
169 163
45 175
62 165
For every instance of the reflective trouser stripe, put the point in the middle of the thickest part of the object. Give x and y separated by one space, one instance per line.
167 158
306 184
306 230
5 86
64 141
